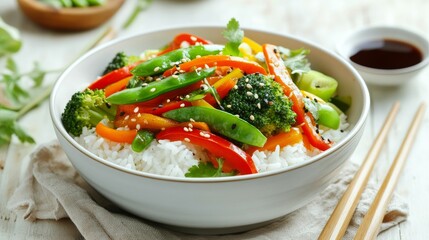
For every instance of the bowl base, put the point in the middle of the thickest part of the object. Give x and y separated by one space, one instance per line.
220 231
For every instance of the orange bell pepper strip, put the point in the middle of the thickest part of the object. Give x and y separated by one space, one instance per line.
277 68
248 67
177 42
116 87
112 77
282 139
120 136
154 122
233 156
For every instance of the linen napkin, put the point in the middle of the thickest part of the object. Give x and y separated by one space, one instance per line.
52 189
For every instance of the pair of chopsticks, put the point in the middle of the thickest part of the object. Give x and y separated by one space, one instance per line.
343 212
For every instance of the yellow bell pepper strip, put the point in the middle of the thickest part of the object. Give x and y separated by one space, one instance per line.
183 39
158 65
201 103
277 68
120 136
246 66
224 85
156 88
221 122
282 139
232 155
256 47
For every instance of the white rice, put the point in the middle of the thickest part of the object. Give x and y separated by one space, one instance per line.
175 158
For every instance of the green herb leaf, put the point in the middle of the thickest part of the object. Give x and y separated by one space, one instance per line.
234 35
295 60
37 75
206 169
9 39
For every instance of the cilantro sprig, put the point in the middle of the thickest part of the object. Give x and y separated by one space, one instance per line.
207 169
234 35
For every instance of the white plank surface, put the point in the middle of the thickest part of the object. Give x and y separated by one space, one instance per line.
323 22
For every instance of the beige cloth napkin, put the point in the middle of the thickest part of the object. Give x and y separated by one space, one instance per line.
52 189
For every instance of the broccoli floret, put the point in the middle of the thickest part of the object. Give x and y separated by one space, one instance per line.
260 100
120 60
86 109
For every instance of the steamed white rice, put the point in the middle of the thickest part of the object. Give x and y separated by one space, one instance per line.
175 158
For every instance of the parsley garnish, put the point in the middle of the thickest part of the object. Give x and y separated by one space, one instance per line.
234 35
206 169
295 60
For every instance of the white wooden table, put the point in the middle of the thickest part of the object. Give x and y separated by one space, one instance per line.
323 22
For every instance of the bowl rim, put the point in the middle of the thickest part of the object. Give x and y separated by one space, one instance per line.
369 34
58 125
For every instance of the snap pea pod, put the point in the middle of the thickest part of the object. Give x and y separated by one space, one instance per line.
142 140
221 122
166 61
156 88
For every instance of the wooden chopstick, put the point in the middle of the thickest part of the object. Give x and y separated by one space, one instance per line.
343 212
373 218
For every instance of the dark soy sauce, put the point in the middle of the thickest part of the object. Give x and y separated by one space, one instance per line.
387 54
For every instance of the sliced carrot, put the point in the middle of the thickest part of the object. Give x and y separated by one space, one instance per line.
154 122
218 60
120 136
282 139
117 86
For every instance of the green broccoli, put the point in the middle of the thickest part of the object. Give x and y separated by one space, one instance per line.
260 100
120 60
86 109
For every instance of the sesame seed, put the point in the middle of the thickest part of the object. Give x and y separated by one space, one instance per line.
256 96
182 105
190 125
133 120
121 114
261 84
206 66
139 115
187 96
126 117
136 109
174 76
187 140
249 93
185 129
198 56
258 105
153 89
168 100
145 122
144 84
252 117
229 106
156 69
249 86
193 38
246 80
158 79
201 134
191 120
138 126
235 87
237 115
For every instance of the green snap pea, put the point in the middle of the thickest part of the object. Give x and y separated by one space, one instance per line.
166 61
318 84
328 116
156 88
221 122
142 140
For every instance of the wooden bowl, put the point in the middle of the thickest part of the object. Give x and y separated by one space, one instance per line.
69 19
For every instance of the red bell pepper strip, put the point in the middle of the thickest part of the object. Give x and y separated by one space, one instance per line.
112 77
232 155
277 68
184 37
248 67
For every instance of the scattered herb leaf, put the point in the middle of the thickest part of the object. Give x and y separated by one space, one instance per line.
234 35
206 169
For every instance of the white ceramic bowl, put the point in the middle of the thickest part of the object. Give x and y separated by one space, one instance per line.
210 205
387 77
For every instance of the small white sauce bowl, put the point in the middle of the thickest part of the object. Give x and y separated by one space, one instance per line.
348 46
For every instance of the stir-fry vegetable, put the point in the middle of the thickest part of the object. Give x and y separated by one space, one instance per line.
230 100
